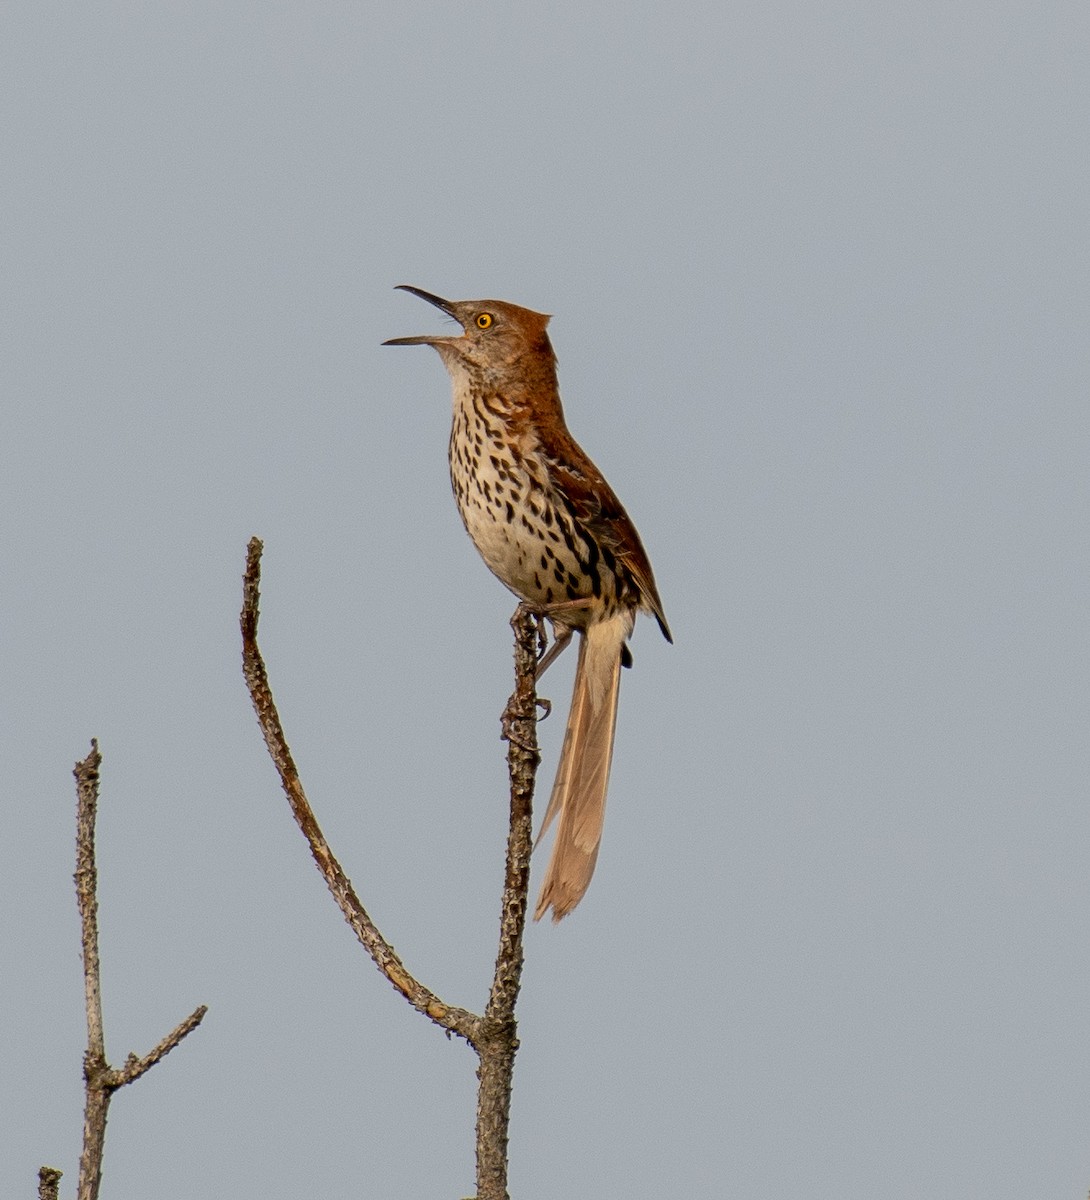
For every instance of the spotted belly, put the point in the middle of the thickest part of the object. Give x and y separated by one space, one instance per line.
528 543
521 540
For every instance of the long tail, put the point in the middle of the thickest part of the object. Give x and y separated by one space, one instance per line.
579 793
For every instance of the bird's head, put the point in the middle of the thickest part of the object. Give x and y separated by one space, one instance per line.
495 335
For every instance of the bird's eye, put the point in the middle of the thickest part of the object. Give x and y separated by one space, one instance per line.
484 320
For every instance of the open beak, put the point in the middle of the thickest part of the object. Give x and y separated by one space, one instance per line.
423 339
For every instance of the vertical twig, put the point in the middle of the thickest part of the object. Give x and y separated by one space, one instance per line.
100 1079
498 1039
49 1179
94 1059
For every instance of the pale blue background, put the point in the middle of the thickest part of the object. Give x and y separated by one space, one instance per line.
821 291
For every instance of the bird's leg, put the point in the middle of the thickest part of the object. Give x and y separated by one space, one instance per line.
562 629
542 633
507 731
561 638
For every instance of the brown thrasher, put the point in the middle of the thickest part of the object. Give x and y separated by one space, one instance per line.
549 527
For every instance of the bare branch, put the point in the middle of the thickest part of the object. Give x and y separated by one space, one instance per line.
86 773
520 731
97 1101
100 1079
498 1041
49 1179
135 1067
455 1020
494 1035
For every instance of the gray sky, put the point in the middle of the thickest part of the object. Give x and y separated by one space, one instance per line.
821 293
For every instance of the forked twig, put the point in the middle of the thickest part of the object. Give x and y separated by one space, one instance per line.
101 1080
493 1035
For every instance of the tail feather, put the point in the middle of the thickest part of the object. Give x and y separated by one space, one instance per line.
582 778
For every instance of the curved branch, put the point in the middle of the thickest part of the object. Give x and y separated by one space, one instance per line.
455 1020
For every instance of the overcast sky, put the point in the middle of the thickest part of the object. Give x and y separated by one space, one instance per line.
820 282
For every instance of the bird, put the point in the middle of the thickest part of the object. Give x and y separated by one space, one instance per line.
552 530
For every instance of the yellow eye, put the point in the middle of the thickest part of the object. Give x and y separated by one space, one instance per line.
484 320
